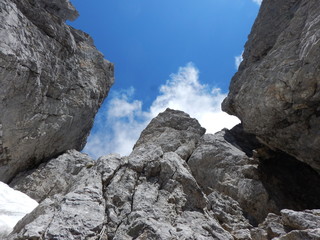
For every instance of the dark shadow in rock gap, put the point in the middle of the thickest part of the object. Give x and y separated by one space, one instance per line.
246 142
290 183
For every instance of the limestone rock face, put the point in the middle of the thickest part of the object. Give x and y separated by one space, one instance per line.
276 92
53 177
78 211
235 164
150 194
218 187
173 131
231 172
290 225
53 81
230 215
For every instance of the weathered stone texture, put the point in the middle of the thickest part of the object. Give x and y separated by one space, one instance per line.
219 192
232 173
178 182
262 181
275 93
53 81
150 194
289 225
75 213
53 177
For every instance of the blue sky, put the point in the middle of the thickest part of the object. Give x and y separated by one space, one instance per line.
165 53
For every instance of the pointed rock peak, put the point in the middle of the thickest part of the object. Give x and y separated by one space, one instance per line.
171 129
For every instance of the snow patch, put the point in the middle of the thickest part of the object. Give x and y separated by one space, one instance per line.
14 205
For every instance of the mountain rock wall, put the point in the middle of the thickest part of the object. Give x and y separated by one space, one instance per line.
178 183
52 79
151 194
276 91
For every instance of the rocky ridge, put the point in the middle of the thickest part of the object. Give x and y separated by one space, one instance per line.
162 190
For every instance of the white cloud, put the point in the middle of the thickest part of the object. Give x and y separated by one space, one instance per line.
257 1
123 120
118 125
184 92
238 60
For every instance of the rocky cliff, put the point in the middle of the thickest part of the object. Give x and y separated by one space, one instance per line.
53 81
276 91
246 183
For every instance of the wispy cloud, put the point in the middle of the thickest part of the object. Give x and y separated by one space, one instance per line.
118 125
238 60
123 119
183 91
257 1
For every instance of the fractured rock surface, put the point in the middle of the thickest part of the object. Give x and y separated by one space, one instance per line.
290 225
276 91
150 194
178 182
259 179
53 177
53 81
214 189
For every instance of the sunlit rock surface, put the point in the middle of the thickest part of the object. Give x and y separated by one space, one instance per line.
52 79
177 183
288 225
276 91
150 194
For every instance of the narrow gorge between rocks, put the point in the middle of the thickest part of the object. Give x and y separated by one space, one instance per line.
257 181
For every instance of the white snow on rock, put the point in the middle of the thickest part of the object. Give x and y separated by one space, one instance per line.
14 205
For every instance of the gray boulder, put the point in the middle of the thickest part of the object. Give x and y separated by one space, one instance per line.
53 81
219 165
260 180
275 93
76 213
290 225
54 177
230 215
